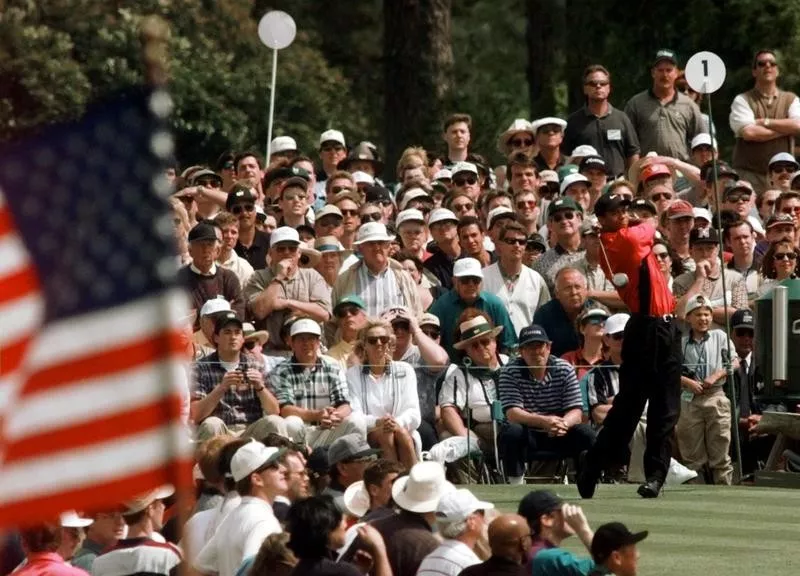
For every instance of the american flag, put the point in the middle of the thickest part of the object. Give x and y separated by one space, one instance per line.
91 354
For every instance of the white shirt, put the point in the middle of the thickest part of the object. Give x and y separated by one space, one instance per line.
392 393
196 270
194 534
742 115
529 293
454 392
239 536
238 266
449 559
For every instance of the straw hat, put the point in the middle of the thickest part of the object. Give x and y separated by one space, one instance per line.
473 329
250 333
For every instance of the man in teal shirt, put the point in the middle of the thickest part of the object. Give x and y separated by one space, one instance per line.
467 293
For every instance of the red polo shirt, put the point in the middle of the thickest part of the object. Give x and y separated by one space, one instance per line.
48 564
630 251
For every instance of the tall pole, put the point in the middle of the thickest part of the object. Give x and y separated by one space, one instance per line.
271 104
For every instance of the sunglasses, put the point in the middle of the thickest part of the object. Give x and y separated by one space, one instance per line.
337 189
785 256
250 345
738 198
377 340
660 196
282 248
471 180
597 83
239 208
470 280
766 63
292 196
560 216
520 143
782 169
517 241
371 217
791 210
661 255
480 343
526 204
550 129
347 213
744 333
434 334
463 207
209 183
769 202
346 311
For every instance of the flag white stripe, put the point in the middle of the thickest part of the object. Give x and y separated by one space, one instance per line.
8 389
13 256
117 459
19 318
108 329
100 397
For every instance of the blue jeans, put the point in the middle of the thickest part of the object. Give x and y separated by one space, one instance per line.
520 444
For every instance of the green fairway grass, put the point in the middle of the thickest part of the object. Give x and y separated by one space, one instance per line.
695 530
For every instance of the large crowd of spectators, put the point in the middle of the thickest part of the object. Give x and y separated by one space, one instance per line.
359 345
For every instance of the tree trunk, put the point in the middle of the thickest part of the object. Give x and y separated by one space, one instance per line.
544 32
418 64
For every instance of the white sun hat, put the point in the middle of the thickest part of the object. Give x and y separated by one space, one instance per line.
356 499
372 232
422 489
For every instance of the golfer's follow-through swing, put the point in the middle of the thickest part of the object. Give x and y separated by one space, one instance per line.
651 353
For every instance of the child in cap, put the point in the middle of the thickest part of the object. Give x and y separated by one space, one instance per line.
704 426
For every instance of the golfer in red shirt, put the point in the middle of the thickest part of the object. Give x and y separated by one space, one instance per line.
651 352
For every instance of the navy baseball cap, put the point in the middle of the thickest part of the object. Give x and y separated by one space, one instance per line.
611 537
531 334
536 503
742 319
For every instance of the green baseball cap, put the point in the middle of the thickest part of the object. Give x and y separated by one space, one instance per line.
563 203
350 299
666 54
566 170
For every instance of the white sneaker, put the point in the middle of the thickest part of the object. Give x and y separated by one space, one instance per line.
516 480
678 473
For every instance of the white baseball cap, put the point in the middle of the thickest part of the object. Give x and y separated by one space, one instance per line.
360 177
409 215
305 326
464 167
696 302
70 519
495 213
467 268
783 157
584 150
282 144
703 139
443 174
571 179
251 457
702 213
441 215
413 194
215 306
616 323
284 234
372 232
536 124
331 136
458 505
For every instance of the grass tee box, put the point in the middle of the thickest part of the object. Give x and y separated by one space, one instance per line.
694 530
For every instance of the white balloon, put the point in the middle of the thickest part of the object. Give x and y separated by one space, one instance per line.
277 29
705 72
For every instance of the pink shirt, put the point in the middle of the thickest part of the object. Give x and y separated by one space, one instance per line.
48 564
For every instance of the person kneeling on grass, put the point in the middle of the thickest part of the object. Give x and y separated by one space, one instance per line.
704 426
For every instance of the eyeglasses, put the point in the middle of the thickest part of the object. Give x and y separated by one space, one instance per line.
346 311
526 204
250 345
765 63
239 208
734 198
337 189
377 340
517 241
596 83
791 209
785 256
520 143
347 213
292 196
480 343
290 248
769 202
470 280
371 217
210 183
566 215
659 196
431 333
466 206
463 181
782 168
661 255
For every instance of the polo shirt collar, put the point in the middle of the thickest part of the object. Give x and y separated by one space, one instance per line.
212 271
702 340
297 367
653 95
589 114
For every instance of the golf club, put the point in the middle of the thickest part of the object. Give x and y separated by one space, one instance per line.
620 279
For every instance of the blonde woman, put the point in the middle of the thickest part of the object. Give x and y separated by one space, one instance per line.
180 221
413 164
384 391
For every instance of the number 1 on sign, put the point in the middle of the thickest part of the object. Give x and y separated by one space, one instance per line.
705 68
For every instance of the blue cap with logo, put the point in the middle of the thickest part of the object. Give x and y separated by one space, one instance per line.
531 334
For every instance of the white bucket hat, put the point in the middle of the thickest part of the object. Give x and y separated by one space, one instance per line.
356 499
520 125
372 232
421 490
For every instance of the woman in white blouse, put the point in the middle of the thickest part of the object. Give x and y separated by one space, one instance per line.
384 391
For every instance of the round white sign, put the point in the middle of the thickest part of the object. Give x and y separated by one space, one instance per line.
277 29
705 72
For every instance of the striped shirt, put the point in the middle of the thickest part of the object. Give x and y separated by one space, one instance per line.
380 292
449 559
557 394
704 356
314 388
602 383
138 556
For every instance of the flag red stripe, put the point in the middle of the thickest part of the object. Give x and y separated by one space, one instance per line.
6 224
100 430
19 284
134 354
11 355
96 496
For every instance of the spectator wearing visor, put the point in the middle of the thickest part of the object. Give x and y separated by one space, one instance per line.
549 136
608 130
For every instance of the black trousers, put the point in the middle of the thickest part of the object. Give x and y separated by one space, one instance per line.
519 444
651 371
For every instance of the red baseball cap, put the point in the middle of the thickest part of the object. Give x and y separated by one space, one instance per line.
680 209
654 170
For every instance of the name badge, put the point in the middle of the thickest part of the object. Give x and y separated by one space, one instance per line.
614 135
